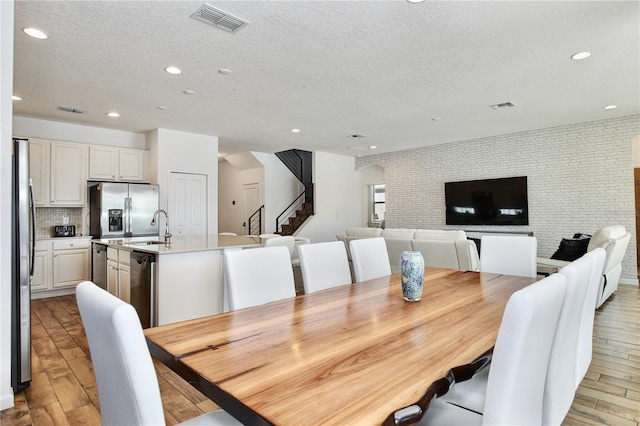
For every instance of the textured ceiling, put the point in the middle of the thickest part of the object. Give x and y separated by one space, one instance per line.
382 69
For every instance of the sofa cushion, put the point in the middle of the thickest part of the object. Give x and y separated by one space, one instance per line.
398 233
363 232
603 235
440 235
571 249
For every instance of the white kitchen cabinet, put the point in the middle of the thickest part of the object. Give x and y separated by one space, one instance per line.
70 262
131 166
39 170
117 164
68 174
41 266
119 273
103 162
59 265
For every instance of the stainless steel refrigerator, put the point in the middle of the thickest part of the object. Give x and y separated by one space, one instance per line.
122 210
22 251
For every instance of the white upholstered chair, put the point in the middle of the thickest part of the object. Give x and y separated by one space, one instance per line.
257 276
370 259
509 255
561 377
516 379
585 338
128 388
614 239
324 265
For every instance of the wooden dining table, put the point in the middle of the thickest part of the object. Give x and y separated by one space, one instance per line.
350 355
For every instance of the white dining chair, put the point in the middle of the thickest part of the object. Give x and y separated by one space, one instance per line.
324 265
516 379
231 234
509 255
561 377
128 388
279 240
585 337
369 258
257 276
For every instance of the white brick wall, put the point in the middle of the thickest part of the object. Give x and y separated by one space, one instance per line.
580 178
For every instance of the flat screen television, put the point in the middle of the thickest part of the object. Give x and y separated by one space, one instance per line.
487 202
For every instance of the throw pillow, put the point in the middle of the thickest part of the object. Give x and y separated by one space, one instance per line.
571 249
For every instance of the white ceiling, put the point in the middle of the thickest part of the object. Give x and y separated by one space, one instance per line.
382 69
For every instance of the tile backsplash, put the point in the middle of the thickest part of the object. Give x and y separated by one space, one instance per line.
48 217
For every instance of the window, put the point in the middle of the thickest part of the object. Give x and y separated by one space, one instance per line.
376 205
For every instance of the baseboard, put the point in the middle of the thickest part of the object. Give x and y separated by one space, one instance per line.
628 281
52 293
6 400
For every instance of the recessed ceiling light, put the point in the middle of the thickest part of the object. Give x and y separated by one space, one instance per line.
35 33
610 107
435 119
295 130
372 147
415 1
224 71
580 55
189 92
16 98
161 108
173 70
113 114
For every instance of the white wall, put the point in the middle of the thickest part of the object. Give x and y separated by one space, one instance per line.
6 110
230 188
580 178
175 151
54 130
280 188
337 189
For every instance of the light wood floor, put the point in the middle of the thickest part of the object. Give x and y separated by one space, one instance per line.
63 390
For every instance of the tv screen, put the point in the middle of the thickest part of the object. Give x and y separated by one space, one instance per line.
487 202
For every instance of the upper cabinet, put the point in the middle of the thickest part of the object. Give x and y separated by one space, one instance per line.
68 174
39 170
109 163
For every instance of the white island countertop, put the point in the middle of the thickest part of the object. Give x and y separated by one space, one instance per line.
182 243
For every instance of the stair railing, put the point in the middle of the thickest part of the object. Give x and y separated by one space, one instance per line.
255 222
295 205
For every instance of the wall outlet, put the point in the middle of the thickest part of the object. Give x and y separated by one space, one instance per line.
65 220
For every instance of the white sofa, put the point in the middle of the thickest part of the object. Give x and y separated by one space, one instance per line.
614 240
440 248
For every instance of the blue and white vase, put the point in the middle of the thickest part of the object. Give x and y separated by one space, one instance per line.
412 275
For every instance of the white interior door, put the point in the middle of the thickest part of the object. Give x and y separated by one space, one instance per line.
250 203
187 204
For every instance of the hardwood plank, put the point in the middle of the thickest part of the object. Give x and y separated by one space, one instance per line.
92 393
84 415
69 392
603 396
596 417
18 415
50 414
604 387
40 392
176 403
635 395
83 370
627 384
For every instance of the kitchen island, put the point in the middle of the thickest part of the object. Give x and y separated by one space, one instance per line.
186 278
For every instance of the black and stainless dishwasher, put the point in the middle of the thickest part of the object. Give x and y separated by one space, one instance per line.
143 286
99 264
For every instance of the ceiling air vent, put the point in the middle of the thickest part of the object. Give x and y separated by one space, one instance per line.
73 110
219 19
503 105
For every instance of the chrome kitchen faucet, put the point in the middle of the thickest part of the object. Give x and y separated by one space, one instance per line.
167 234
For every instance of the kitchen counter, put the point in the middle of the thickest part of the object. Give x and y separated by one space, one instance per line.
181 243
188 279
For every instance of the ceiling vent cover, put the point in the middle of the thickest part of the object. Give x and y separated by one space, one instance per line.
74 110
503 105
219 19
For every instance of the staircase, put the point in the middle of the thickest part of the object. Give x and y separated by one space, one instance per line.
300 164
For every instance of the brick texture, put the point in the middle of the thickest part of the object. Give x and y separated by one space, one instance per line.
580 178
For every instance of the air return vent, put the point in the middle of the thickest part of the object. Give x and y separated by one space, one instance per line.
73 110
503 105
219 19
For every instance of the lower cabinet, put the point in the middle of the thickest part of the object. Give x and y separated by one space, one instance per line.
119 273
60 264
